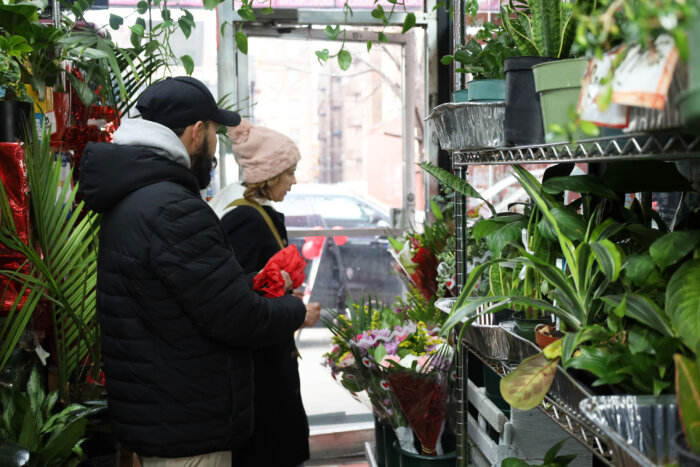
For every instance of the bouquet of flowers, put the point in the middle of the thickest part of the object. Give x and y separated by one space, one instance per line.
417 254
397 356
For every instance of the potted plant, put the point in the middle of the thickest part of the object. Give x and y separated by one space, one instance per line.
543 31
61 257
484 62
15 106
36 430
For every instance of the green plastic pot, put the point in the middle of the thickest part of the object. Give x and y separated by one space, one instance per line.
487 90
559 86
460 96
408 459
525 327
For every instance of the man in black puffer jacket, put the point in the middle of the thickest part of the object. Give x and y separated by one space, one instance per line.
177 314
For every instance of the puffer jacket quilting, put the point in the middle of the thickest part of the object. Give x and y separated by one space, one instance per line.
177 315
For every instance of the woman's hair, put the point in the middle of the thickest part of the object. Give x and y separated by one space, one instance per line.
261 190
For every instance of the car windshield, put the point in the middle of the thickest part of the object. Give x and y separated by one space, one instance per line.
330 210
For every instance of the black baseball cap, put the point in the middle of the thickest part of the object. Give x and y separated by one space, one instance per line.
181 101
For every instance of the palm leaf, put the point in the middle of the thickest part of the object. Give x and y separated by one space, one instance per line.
64 273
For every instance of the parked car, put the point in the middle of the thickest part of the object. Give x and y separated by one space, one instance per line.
359 266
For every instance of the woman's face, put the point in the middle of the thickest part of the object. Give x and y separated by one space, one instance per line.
287 179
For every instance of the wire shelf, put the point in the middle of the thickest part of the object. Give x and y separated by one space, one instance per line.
662 145
577 427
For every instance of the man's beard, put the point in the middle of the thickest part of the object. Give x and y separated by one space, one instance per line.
202 165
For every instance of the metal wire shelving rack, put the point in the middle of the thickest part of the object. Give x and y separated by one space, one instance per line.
668 145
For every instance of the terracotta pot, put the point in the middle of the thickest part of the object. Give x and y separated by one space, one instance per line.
552 335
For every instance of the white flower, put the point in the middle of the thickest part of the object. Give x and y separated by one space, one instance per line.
408 360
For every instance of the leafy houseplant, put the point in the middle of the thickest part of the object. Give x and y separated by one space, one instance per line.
62 266
550 458
32 427
484 62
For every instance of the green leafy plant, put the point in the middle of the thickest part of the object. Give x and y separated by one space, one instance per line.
541 28
14 50
688 394
33 422
550 458
248 13
487 61
61 262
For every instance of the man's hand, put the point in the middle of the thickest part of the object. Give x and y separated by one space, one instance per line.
313 313
287 281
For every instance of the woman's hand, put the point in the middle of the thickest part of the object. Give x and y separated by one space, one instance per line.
313 313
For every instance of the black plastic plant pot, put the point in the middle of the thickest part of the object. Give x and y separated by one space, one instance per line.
685 457
523 117
15 118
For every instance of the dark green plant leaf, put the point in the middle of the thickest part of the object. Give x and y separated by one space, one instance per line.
454 182
369 46
185 26
571 224
332 32
246 13
643 310
579 184
142 7
673 246
408 22
242 42
382 37
115 21
640 269
609 257
344 59
322 55
188 63
683 303
61 444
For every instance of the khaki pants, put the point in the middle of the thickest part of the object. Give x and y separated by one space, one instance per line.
213 459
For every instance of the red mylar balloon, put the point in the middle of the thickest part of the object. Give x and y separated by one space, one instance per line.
340 240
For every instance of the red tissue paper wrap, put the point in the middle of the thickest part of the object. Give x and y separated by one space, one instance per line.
13 172
270 282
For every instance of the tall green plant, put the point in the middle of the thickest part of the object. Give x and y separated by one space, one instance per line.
542 28
34 423
62 262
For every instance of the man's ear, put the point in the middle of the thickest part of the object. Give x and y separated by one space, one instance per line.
198 132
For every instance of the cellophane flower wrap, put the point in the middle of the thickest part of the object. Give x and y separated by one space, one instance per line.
414 364
395 354
424 259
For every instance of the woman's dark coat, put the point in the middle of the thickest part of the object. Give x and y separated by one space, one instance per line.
281 430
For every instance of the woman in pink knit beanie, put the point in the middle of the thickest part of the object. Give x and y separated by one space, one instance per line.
256 232
268 160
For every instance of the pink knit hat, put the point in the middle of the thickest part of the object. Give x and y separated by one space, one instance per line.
261 152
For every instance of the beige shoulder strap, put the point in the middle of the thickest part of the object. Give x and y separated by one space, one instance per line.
270 224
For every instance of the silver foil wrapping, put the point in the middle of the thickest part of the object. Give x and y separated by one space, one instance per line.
646 119
640 428
488 339
472 125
